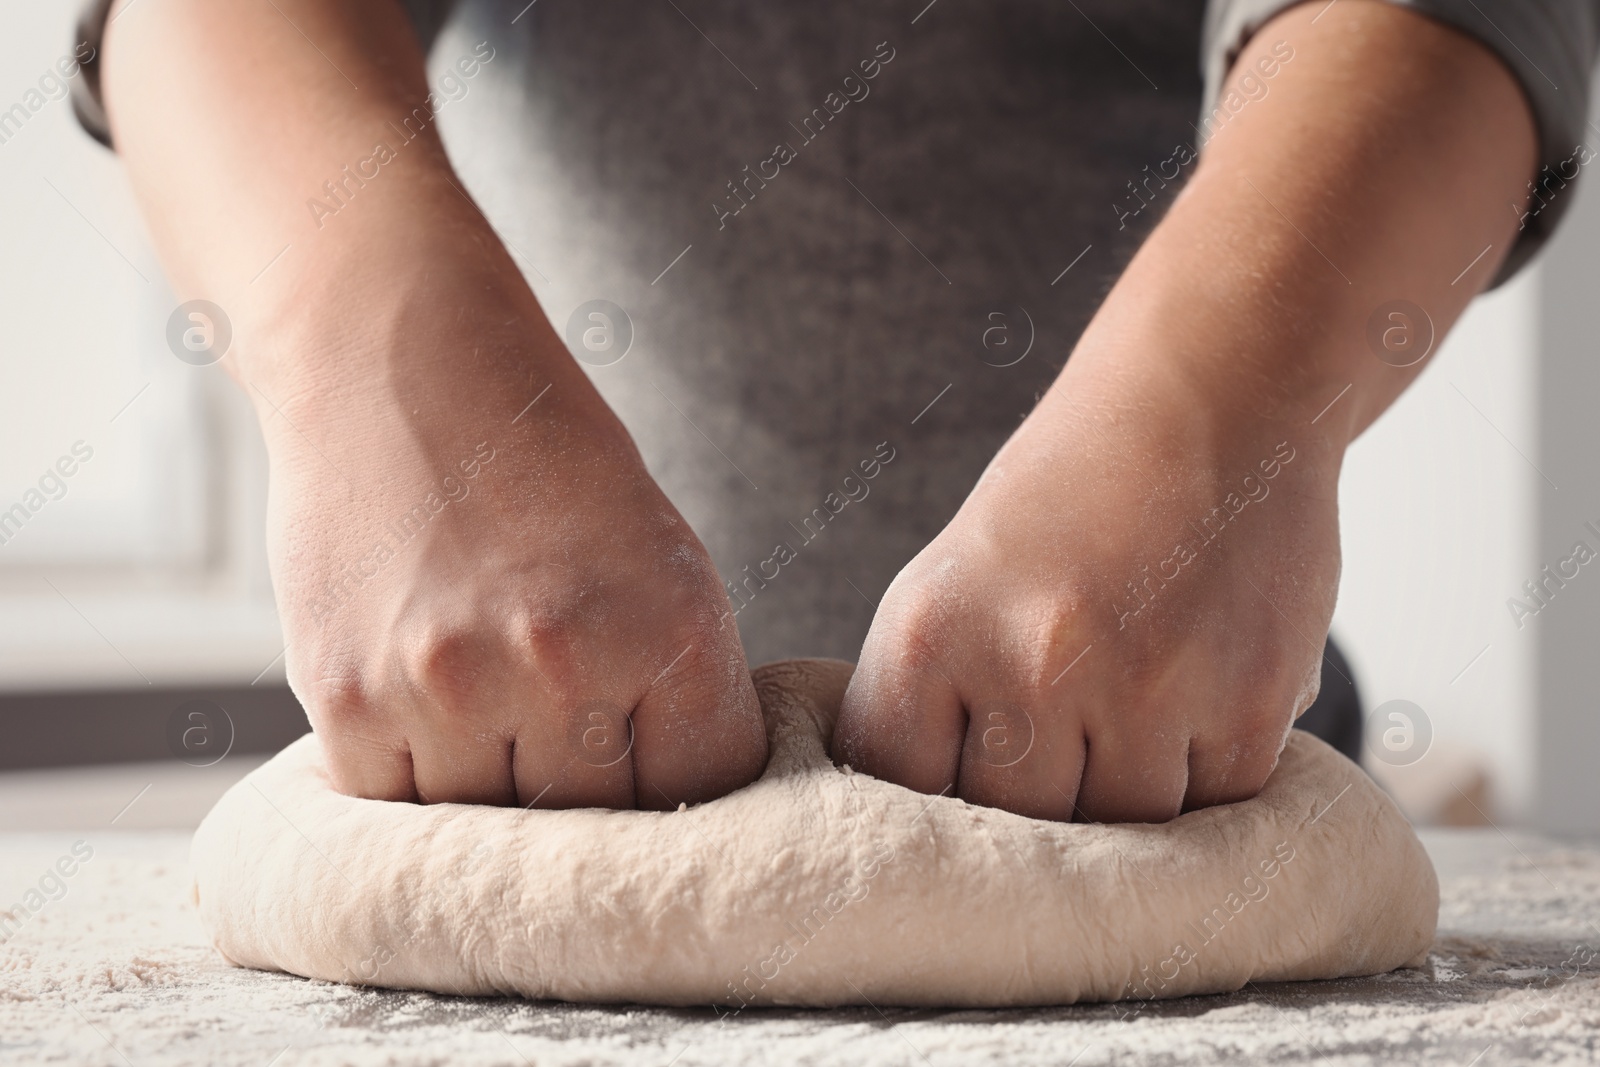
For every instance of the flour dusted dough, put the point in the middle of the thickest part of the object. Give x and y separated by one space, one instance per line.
814 886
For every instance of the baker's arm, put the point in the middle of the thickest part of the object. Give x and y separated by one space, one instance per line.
478 579
1389 159
1549 46
1129 611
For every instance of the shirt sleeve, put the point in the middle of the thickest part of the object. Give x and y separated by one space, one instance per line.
427 16
1549 45
86 100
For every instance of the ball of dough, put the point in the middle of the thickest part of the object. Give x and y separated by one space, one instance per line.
814 886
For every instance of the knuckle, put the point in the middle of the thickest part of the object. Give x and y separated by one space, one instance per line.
920 650
914 630
548 638
1260 724
705 681
1138 664
447 663
336 698
1060 619
458 664
1057 638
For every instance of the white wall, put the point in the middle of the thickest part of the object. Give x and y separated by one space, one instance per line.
1449 511
1439 508
1567 741
149 570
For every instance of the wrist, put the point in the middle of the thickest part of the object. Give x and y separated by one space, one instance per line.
385 305
407 240
1138 390
1240 343
413 343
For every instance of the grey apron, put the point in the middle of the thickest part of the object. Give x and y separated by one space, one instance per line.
825 274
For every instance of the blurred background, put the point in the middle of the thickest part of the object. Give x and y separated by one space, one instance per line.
140 656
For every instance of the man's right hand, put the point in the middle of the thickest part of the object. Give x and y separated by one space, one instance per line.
488 602
483 601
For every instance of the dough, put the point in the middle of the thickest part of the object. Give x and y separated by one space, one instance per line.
814 886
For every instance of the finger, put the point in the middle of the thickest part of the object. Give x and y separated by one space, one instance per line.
467 765
698 731
489 725
1133 777
575 754
902 720
1228 768
1229 773
365 753
372 770
457 714
1025 761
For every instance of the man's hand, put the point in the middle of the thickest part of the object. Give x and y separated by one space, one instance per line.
492 602
485 596
1121 623
1126 616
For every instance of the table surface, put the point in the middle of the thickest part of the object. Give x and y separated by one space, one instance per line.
117 970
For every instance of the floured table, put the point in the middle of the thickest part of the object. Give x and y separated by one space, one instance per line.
118 971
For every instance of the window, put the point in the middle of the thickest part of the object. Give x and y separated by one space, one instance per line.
131 483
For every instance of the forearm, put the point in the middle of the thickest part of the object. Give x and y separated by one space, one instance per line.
237 121
1382 161
1115 581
